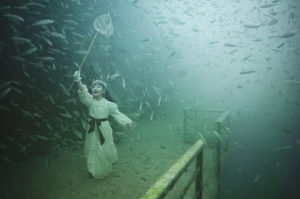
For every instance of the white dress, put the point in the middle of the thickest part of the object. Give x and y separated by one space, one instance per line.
101 156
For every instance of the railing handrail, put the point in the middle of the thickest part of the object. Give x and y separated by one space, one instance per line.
166 182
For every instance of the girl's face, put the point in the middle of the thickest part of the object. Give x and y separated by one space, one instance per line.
97 90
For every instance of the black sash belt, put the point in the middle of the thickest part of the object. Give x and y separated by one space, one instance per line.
97 122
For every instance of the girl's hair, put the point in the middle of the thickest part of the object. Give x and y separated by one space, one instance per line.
106 93
108 96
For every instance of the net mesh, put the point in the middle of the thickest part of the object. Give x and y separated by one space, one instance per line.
103 25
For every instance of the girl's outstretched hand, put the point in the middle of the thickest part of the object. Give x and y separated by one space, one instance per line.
77 76
129 125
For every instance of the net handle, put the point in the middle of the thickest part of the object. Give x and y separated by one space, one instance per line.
86 54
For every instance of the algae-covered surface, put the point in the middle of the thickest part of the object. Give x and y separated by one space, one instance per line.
145 153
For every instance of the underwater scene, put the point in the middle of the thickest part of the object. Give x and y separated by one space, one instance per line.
100 98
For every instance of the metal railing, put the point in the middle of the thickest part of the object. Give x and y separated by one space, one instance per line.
206 171
167 181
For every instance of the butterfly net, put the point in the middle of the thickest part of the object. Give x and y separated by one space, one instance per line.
103 25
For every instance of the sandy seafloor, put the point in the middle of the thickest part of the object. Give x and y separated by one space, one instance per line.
145 153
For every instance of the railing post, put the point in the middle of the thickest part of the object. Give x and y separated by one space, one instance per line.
198 183
184 125
218 161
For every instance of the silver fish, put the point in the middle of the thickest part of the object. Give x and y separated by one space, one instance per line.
65 90
42 22
41 137
151 116
71 22
77 133
18 58
5 159
14 17
286 35
247 57
56 51
45 58
177 21
280 45
55 34
292 81
272 22
230 45
5 8
50 98
38 65
21 40
29 51
114 76
212 42
282 148
77 34
27 113
66 115
253 25
123 83
257 177
172 54
24 8
268 5
47 41
159 100
4 93
141 106
18 91
4 84
247 72
36 4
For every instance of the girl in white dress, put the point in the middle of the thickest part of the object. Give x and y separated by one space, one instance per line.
99 149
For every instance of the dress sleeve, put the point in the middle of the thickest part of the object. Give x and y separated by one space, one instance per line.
119 117
84 96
